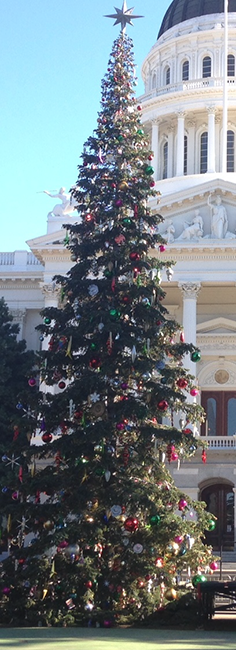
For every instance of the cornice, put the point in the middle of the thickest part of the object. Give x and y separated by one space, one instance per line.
17 284
215 342
182 254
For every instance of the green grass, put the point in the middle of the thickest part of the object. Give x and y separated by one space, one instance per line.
115 639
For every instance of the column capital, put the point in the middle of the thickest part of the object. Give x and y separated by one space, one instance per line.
211 109
155 121
190 289
180 114
50 289
18 315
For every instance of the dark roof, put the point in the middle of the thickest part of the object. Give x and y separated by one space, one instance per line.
181 10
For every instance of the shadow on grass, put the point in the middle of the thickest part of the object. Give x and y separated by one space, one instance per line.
115 639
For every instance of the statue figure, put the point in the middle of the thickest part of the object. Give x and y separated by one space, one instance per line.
169 232
67 205
219 221
193 230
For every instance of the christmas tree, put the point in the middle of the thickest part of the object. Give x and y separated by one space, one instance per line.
99 532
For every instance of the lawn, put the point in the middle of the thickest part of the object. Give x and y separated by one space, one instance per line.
115 639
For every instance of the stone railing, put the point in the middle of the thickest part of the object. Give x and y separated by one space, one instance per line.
22 259
220 442
190 85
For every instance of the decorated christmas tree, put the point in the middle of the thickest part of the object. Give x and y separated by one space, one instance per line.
97 531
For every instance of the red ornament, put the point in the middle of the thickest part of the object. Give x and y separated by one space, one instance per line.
182 504
120 426
187 431
159 562
150 157
89 584
139 108
163 405
47 437
32 382
126 455
62 385
134 257
174 456
194 392
213 566
169 451
182 383
131 524
162 248
181 337
95 363
204 456
89 217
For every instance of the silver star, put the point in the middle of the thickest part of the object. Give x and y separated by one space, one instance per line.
13 461
123 16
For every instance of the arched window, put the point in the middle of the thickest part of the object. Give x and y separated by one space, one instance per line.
231 65
230 151
167 76
219 499
220 408
165 160
185 154
203 153
154 80
206 67
185 71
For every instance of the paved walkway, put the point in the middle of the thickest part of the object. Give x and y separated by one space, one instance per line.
116 639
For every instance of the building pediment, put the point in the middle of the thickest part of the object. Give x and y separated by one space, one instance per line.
204 216
49 245
217 326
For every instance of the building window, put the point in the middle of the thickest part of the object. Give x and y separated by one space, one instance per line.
206 67
165 160
167 76
185 71
219 499
185 154
230 151
220 408
231 65
154 80
203 154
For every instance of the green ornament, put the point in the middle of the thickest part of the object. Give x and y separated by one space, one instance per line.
93 346
140 132
107 273
114 314
120 138
127 221
196 356
149 170
198 579
211 525
47 320
99 471
154 520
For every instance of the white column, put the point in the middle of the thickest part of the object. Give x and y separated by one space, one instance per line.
211 149
51 292
170 152
191 147
234 491
190 292
155 142
19 317
180 145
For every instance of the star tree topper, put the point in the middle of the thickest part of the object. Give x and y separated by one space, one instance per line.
123 16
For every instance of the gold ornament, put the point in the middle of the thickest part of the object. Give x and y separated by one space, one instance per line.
123 186
170 594
98 409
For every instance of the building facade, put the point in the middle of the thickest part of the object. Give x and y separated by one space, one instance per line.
189 114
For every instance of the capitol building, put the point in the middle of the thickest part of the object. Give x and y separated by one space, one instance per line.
189 114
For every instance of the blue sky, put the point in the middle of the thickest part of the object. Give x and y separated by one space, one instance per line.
53 56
